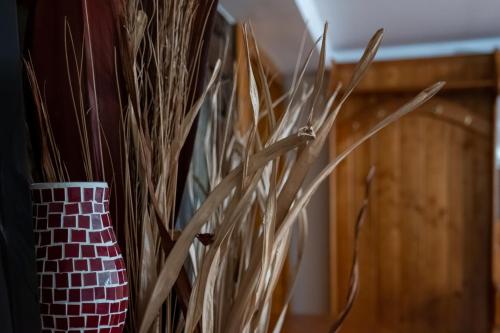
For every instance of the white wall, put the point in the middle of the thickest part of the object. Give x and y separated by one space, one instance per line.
311 295
312 290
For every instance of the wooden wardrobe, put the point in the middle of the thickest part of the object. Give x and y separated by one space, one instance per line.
426 245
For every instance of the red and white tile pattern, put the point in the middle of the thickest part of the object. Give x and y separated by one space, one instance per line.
82 279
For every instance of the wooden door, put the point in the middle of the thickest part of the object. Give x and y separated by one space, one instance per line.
425 247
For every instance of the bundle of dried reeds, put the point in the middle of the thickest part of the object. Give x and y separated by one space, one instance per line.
53 168
256 190
158 44
256 182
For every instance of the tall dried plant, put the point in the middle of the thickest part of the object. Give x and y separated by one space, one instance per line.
52 166
256 195
156 50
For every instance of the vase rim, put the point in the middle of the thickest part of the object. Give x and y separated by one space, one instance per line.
46 185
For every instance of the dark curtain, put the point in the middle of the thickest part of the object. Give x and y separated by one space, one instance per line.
18 291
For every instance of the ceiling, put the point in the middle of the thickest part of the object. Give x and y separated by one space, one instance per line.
411 28
278 25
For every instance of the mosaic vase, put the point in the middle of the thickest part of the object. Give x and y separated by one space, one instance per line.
81 273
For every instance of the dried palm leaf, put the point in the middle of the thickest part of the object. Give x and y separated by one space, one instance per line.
255 193
354 274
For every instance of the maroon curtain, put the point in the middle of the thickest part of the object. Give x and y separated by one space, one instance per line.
93 28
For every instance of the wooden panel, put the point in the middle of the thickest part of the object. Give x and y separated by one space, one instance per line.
460 73
386 151
424 251
425 247
412 203
306 323
496 200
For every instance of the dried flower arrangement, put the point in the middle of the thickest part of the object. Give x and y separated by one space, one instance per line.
256 196
256 193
